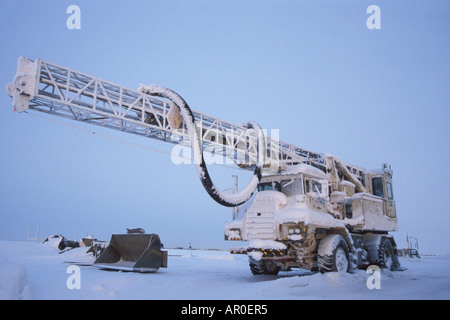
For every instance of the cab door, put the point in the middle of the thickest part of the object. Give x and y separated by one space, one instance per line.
390 202
382 187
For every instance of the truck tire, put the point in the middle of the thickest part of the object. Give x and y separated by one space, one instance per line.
263 267
386 255
333 254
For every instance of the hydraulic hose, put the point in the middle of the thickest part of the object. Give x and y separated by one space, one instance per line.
225 199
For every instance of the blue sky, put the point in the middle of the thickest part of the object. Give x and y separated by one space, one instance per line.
309 68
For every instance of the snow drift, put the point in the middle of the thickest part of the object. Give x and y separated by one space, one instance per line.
37 271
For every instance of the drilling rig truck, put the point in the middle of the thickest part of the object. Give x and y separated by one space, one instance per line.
301 209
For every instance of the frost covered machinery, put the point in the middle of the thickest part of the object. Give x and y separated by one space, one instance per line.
326 220
311 210
139 252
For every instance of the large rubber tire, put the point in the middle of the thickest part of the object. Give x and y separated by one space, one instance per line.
386 255
263 267
333 254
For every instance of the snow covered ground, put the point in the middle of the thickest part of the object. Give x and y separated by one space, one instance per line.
38 271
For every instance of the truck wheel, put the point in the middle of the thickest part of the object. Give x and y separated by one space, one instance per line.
386 255
333 255
263 267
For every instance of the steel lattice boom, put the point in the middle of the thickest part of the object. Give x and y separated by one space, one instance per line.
60 91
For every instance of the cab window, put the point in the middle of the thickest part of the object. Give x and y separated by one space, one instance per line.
316 186
389 190
292 187
313 186
377 187
272 186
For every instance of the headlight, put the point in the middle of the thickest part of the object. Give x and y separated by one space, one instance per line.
233 234
291 231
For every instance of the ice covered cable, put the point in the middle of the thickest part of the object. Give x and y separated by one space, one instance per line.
223 198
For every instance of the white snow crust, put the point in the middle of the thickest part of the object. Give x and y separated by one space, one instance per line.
266 244
37 271
299 212
307 169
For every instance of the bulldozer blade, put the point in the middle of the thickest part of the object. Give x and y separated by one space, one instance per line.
133 252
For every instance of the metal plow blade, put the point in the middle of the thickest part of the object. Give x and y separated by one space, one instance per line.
133 252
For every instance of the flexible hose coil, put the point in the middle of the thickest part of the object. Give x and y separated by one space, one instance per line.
225 199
